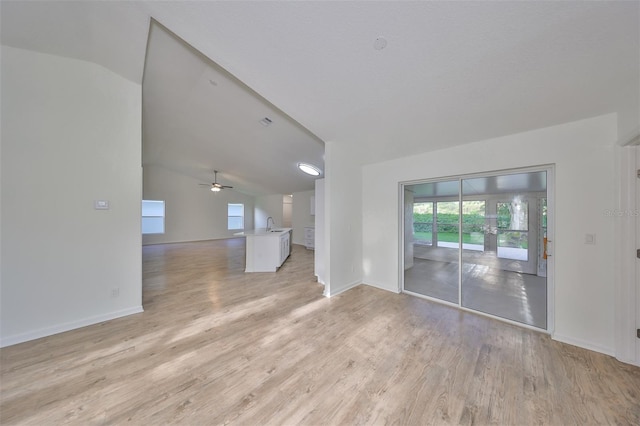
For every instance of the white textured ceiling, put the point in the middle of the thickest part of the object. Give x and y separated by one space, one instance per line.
452 72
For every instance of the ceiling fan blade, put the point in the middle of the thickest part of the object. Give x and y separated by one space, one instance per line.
204 184
215 183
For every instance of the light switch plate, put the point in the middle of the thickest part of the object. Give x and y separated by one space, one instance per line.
590 238
101 204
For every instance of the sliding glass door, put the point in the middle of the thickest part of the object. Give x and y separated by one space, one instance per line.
502 279
435 233
480 243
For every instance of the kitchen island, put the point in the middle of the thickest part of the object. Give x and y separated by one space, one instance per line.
266 250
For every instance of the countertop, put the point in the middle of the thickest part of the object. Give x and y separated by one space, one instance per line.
261 232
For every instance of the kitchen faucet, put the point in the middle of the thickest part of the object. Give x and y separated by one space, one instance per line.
272 223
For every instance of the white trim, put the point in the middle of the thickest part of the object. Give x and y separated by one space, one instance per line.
631 362
583 344
349 286
230 237
625 277
401 270
460 202
551 260
382 286
67 326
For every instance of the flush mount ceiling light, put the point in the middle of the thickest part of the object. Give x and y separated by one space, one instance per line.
309 169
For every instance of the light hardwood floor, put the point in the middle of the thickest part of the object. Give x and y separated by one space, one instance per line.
218 346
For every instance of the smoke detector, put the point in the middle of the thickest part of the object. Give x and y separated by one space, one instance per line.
380 43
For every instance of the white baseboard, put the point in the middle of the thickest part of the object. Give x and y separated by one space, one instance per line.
335 292
583 344
628 361
67 326
381 286
229 237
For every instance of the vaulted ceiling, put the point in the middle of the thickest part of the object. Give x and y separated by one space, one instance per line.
198 118
450 73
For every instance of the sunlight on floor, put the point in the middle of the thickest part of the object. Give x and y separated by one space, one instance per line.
226 316
307 309
178 365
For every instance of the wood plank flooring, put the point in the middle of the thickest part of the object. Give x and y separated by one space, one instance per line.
218 346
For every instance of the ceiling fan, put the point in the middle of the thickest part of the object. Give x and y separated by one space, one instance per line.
215 186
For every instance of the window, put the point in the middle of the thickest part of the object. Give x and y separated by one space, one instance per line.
235 214
152 217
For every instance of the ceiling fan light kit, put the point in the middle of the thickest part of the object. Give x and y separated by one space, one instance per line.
215 186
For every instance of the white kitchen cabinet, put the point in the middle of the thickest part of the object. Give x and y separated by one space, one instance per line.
285 247
310 237
266 251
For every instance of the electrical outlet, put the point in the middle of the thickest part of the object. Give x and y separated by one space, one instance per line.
115 292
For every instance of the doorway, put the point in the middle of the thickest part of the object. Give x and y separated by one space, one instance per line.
480 242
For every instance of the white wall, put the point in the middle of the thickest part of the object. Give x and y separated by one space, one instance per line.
265 206
192 212
70 135
583 153
301 214
343 221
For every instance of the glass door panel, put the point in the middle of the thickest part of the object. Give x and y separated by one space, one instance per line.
504 278
447 214
513 227
433 269
423 223
473 220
